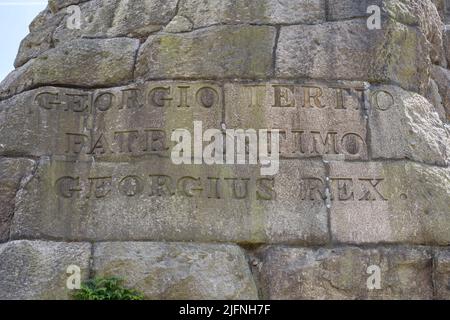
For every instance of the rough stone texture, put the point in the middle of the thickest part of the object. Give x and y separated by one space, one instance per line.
80 63
399 202
118 18
347 50
447 43
232 52
424 14
442 274
99 19
40 38
440 6
27 130
420 13
110 18
178 271
179 24
36 270
12 171
348 9
146 207
205 13
135 120
341 273
435 99
314 119
404 125
56 5
446 15
442 78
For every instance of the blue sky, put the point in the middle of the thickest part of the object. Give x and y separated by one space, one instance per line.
15 16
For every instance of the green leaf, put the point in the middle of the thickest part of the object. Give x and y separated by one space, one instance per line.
106 289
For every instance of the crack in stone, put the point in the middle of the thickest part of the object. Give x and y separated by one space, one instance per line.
24 181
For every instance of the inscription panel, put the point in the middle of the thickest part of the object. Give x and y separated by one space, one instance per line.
127 122
27 129
109 124
314 119
141 122
155 200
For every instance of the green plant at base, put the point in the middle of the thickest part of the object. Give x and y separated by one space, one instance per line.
106 289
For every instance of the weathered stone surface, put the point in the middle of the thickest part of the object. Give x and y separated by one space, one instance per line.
398 202
179 24
434 97
56 5
98 19
440 6
447 43
424 14
127 122
36 270
447 13
347 50
420 13
441 275
118 18
349 9
156 200
111 18
12 171
178 271
29 130
314 119
442 78
232 52
205 13
404 125
341 273
40 38
81 63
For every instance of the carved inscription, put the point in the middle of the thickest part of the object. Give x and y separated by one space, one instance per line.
236 188
152 95
157 141
142 141
152 199
306 96
313 119
162 185
382 100
343 189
